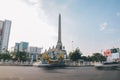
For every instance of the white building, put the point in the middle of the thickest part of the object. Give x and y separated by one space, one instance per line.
34 51
5 27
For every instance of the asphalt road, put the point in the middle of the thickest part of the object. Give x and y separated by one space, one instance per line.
69 73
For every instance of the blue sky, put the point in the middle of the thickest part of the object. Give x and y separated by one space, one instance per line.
92 25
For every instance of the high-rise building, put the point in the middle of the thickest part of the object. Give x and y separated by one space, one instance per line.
5 27
22 46
16 48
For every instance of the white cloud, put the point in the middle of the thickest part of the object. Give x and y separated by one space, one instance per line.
118 13
32 2
103 26
27 24
112 30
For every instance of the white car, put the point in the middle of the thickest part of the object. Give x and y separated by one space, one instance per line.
108 65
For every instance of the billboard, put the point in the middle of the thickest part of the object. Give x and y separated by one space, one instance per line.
112 54
115 55
107 52
114 50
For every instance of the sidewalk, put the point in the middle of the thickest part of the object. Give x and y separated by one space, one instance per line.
14 64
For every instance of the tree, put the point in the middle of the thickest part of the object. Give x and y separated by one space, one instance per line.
5 56
13 55
98 57
39 56
20 56
85 58
75 55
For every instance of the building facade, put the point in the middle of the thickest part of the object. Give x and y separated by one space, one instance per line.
33 52
22 46
5 27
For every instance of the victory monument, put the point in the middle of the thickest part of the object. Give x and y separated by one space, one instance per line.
55 55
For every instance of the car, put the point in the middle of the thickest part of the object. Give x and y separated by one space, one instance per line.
108 65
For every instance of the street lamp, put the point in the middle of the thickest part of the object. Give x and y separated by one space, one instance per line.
72 45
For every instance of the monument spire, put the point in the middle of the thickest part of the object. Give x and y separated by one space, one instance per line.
59 43
59 29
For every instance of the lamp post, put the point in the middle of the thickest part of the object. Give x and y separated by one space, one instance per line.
72 45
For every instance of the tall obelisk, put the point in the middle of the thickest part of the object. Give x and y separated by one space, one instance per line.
59 43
